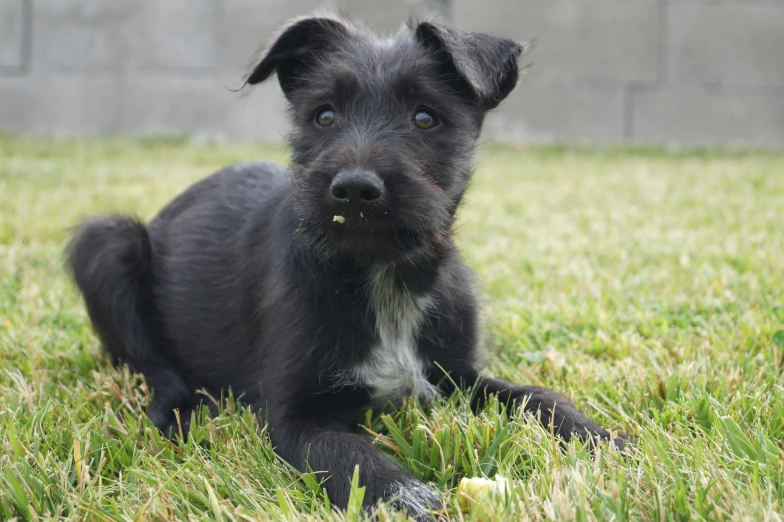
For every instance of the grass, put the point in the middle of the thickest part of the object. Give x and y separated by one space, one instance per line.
646 285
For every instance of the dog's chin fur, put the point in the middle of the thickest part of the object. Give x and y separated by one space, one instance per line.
373 247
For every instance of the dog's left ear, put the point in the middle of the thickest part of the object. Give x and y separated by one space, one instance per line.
487 65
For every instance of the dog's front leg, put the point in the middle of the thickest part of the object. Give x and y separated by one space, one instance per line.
332 451
553 410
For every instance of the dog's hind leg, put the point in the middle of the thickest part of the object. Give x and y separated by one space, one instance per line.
110 258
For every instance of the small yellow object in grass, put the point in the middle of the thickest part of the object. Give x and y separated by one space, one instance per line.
339 219
472 490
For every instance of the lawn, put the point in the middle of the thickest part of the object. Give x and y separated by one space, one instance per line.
646 285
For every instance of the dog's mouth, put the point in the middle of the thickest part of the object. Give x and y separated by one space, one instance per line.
362 221
385 230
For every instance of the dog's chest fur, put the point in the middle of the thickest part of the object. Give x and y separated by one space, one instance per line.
393 368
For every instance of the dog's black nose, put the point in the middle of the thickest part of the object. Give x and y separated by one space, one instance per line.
357 188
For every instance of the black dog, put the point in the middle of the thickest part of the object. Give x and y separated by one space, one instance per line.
320 290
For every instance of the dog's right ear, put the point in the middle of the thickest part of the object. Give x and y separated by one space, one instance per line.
295 48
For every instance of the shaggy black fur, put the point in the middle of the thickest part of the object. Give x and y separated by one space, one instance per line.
247 281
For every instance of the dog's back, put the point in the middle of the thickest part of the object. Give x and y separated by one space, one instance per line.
199 254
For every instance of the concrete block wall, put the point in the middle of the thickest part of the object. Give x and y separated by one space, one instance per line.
679 72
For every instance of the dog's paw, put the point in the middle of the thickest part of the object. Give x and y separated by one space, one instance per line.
172 423
419 500
619 442
625 444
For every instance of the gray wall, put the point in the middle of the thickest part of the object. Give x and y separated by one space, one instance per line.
661 71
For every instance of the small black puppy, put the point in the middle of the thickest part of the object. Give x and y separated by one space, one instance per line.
319 290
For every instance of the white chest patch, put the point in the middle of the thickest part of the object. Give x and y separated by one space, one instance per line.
393 368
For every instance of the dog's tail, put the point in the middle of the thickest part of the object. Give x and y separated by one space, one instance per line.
110 259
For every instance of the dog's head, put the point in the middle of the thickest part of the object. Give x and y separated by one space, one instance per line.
384 130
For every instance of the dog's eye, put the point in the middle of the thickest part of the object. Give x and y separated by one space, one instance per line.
325 117
424 120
